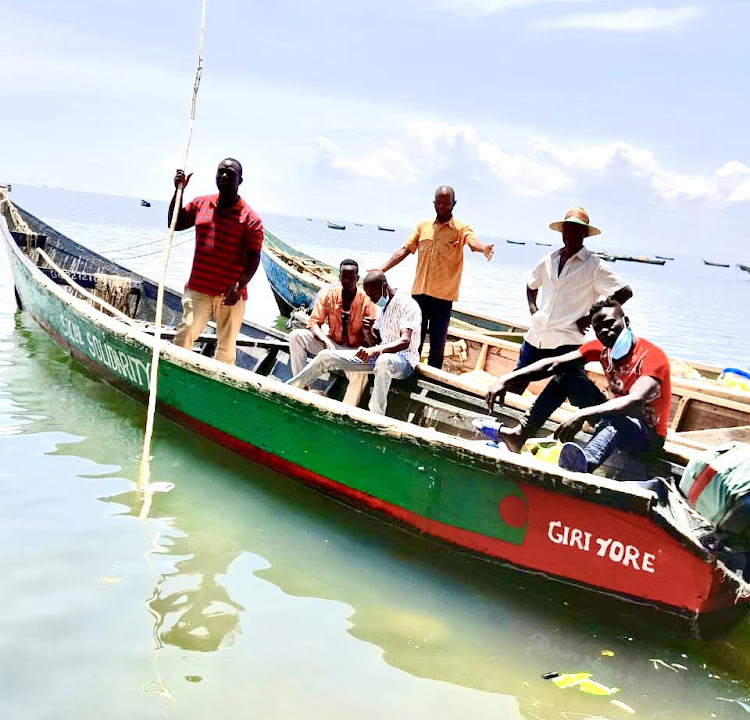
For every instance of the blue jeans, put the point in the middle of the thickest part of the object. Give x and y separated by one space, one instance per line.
624 433
572 384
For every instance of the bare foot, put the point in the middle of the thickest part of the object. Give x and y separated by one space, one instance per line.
512 437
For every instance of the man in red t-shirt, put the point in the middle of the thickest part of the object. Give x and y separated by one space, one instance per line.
634 419
228 238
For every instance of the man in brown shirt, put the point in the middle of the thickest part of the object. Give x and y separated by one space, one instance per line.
345 309
439 245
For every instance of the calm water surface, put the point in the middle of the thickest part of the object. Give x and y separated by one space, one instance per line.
244 594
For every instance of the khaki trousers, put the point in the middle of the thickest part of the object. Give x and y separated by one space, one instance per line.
197 310
303 343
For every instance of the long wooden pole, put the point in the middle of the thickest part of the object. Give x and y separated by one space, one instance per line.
145 470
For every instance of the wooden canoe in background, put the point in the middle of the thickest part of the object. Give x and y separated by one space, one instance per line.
437 480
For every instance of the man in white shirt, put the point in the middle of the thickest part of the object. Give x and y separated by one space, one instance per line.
394 354
571 280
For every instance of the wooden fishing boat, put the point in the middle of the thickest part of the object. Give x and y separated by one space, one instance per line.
743 267
515 242
663 257
358 224
606 256
543 244
386 229
703 413
335 226
715 264
423 470
640 259
145 203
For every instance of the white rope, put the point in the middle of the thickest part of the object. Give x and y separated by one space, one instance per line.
145 470
743 587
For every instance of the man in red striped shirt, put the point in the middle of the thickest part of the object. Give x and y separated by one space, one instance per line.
228 238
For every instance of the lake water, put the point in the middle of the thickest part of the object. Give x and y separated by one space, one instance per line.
245 594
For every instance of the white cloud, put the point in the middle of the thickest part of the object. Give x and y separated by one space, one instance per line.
481 8
386 163
634 20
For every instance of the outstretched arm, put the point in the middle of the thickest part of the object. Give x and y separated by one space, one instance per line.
395 259
622 295
477 245
546 367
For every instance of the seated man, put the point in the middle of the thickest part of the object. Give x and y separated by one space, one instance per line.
399 325
636 417
345 309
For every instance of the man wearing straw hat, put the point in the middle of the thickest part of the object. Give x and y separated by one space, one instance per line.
571 280
228 239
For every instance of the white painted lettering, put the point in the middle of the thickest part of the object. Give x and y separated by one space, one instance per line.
631 556
646 563
603 545
616 551
556 538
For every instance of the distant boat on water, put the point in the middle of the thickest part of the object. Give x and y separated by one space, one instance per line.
605 256
515 242
335 226
543 244
308 218
743 267
715 264
145 203
386 229
358 224
640 259
664 257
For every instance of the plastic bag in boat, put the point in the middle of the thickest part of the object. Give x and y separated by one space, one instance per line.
717 484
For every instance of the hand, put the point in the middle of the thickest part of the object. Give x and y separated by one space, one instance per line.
368 323
488 252
181 179
570 428
232 294
583 323
329 344
496 394
366 354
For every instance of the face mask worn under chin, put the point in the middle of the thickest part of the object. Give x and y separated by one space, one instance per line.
622 345
383 301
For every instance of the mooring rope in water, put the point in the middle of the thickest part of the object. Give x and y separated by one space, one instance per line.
145 470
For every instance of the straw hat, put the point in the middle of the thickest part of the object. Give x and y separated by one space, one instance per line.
578 216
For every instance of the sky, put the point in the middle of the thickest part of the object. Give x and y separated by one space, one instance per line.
357 111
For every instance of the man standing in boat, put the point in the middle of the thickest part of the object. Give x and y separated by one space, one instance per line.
570 279
439 245
346 310
633 420
393 353
228 239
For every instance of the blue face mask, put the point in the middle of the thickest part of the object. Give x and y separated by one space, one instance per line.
383 301
622 345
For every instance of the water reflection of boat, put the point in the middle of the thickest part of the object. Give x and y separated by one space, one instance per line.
507 509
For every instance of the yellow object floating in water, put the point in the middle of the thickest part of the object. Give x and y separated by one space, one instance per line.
584 683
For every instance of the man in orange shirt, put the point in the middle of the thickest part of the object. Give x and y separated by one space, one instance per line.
346 309
439 245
